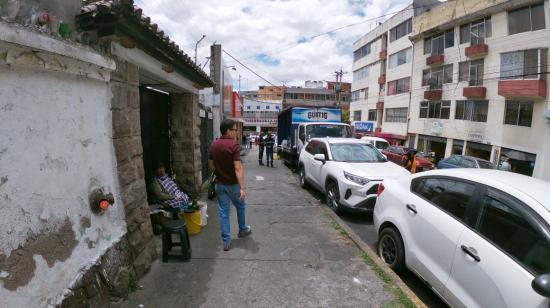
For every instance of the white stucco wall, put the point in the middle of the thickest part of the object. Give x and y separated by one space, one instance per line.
55 147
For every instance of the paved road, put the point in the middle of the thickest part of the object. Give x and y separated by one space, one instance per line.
363 226
294 257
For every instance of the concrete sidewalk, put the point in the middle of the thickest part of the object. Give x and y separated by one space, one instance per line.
295 256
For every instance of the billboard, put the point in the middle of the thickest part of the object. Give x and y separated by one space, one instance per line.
301 115
364 127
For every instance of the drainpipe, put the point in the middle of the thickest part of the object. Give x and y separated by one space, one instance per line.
410 97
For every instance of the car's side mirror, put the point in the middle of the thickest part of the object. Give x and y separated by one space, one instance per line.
319 157
541 285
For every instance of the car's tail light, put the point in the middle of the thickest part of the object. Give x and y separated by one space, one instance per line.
380 189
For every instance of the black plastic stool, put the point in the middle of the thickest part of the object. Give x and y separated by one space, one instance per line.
175 227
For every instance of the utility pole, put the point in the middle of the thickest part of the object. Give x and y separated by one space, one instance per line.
338 87
196 45
239 83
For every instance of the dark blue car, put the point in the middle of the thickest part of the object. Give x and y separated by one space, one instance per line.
460 161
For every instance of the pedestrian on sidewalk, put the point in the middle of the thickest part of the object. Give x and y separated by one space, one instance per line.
261 144
269 144
225 161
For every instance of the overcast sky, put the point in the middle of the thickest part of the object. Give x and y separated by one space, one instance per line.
274 38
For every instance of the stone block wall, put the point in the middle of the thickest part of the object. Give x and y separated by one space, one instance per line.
129 156
185 147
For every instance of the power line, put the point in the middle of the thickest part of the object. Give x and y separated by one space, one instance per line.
290 46
243 65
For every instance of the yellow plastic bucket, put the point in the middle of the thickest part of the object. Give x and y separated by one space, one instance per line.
193 221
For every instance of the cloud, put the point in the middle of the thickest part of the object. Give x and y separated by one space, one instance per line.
276 38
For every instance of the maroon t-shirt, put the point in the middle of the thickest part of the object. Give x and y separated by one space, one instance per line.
224 152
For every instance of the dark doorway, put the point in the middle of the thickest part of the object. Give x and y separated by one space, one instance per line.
432 144
207 133
155 131
479 150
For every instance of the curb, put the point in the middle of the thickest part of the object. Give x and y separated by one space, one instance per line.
382 265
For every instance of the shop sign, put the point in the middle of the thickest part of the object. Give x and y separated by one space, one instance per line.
364 127
473 136
437 128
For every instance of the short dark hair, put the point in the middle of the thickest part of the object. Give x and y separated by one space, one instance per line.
226 125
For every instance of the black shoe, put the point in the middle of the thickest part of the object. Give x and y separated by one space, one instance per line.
226 246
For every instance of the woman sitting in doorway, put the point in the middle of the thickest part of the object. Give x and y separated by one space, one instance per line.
166 192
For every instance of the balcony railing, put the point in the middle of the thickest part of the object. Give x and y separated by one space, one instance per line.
535 88
435 59
474 92
477 50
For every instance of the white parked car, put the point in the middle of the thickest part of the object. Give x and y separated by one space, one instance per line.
379 143
347 170
478 237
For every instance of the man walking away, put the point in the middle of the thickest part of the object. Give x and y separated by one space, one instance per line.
269 144
261 145
225 161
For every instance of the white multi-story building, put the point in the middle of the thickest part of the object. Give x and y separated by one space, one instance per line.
479 83
382 71
258 115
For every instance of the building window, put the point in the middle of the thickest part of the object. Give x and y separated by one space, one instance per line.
458 147
475 111
267 107
357 115
277 107
359 94
471 71
436 77
372 115
435 109
398 86
401 30
365 93
476 32
400 57
362 52
361 73
523 64
248 107
529 18
518 113
258 107
397 115
436 45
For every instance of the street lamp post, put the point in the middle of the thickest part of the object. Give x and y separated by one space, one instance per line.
197 44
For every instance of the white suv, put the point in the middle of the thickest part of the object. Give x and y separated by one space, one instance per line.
347 170
479 238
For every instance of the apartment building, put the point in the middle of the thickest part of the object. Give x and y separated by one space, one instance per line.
479 83
382 70
334 94
260 114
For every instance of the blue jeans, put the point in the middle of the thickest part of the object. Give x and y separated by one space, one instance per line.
227 194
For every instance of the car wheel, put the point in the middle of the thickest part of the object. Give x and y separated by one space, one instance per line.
333 197
391 249
303 181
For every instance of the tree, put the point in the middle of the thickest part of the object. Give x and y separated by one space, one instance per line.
345 116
